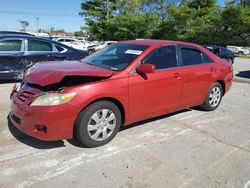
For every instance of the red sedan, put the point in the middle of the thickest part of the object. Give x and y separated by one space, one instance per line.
124 83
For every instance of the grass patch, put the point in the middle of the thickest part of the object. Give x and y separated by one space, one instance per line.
244 56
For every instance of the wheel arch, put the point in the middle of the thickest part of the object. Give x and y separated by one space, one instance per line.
222 83
113 100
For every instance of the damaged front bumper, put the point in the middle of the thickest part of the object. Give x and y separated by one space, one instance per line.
46 123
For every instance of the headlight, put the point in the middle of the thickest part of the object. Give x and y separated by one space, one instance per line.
52 99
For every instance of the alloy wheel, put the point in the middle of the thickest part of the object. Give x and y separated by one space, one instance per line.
215 97
101 124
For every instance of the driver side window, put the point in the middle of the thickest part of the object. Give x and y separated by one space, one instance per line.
163 57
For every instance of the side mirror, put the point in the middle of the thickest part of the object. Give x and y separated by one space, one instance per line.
146 68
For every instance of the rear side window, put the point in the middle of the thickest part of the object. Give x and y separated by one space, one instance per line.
60 49
10 46
39 46
163 57
191 56
206 59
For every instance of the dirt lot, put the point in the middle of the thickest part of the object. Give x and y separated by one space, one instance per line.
190 148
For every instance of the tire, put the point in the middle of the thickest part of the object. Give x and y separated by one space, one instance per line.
98 124
213 97
241 53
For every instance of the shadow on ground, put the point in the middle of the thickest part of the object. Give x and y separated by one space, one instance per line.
33 142
76 143
124 128
244 74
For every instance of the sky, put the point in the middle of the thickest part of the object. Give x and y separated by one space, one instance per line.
61 14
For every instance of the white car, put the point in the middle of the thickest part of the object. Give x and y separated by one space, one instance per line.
103 45
81 45
66 41
248 48
238 50
75 43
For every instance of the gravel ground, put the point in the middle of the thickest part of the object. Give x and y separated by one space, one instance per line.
190 148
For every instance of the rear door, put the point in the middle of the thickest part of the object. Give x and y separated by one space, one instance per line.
38 50
11 58
197 74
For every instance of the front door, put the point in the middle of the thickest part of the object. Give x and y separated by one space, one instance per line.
156 93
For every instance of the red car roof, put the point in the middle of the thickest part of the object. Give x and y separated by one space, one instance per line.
149 42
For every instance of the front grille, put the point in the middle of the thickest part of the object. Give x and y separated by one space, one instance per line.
23 96
16 119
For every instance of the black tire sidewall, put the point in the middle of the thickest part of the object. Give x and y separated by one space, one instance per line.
85 115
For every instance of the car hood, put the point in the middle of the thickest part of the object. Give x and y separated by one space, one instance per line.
46 73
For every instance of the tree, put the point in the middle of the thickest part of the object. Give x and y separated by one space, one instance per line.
240 2
234 25
193 22
97 14
198 21
79 34
24 25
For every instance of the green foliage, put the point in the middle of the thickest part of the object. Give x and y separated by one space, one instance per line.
79 34
199 21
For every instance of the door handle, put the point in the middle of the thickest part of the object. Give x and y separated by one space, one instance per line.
177 75
212 69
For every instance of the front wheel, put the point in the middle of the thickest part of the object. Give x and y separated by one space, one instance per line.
213 97
98 124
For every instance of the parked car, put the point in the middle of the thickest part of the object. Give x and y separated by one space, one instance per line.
19 52
238 50
222 52
81 45
91 48
116 86
248 48
66 41
101 45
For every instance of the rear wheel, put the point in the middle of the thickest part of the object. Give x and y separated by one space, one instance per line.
98 124
213 97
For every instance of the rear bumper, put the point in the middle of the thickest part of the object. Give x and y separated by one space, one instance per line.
228 81
57 122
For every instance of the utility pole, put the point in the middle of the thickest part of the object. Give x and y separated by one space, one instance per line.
107 9
107 19
37 20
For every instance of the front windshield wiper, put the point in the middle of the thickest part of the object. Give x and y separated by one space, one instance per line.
90 64
113 68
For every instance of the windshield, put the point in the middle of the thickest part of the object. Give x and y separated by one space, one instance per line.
116 56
